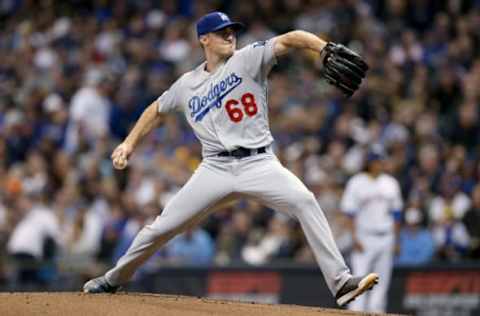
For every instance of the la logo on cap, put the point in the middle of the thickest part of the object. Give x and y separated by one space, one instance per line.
223 16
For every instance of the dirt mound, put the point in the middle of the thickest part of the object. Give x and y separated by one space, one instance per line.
73 304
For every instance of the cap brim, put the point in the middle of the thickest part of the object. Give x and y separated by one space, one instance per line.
237 26
376 158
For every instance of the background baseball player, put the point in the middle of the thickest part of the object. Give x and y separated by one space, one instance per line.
225 101
373 203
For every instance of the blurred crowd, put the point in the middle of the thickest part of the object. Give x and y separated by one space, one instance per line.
75 75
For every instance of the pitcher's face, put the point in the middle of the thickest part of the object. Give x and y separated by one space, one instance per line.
221 43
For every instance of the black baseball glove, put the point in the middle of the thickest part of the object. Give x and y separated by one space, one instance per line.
343 68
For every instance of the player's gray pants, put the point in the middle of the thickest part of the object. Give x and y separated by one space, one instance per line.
216 179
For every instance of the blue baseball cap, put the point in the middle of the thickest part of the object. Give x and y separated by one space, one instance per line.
215 21
375 155
376 152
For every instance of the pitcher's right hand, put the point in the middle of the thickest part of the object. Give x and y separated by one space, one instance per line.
120 155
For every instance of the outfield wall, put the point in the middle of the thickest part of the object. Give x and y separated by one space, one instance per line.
434 290
440 290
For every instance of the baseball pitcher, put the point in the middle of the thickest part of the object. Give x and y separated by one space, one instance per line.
225 101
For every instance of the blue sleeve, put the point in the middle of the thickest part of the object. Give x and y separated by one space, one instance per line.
397 215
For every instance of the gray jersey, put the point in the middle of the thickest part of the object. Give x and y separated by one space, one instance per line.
227 109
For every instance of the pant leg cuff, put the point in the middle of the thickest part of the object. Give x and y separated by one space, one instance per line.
342 280
110 280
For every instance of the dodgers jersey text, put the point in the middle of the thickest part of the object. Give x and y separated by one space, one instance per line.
228 108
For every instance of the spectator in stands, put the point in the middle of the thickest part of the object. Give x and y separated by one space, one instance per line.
446 213
56 119
471 220
90 110
271 245
112 230
33 242
233 238
416 243
194 247
451 240
17 135
451 203
83 237
465 129
429 166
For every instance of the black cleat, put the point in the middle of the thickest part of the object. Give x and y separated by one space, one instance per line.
355 287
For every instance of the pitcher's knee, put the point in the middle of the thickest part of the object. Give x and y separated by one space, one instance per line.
304 202
163 226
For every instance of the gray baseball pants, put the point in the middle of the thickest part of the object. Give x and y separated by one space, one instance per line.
216 179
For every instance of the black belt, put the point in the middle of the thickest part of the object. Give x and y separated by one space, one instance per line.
378 233
243 152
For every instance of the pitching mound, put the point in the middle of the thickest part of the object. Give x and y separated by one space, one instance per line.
73 304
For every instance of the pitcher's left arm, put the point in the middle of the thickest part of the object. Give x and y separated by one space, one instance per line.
288 42
343 68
